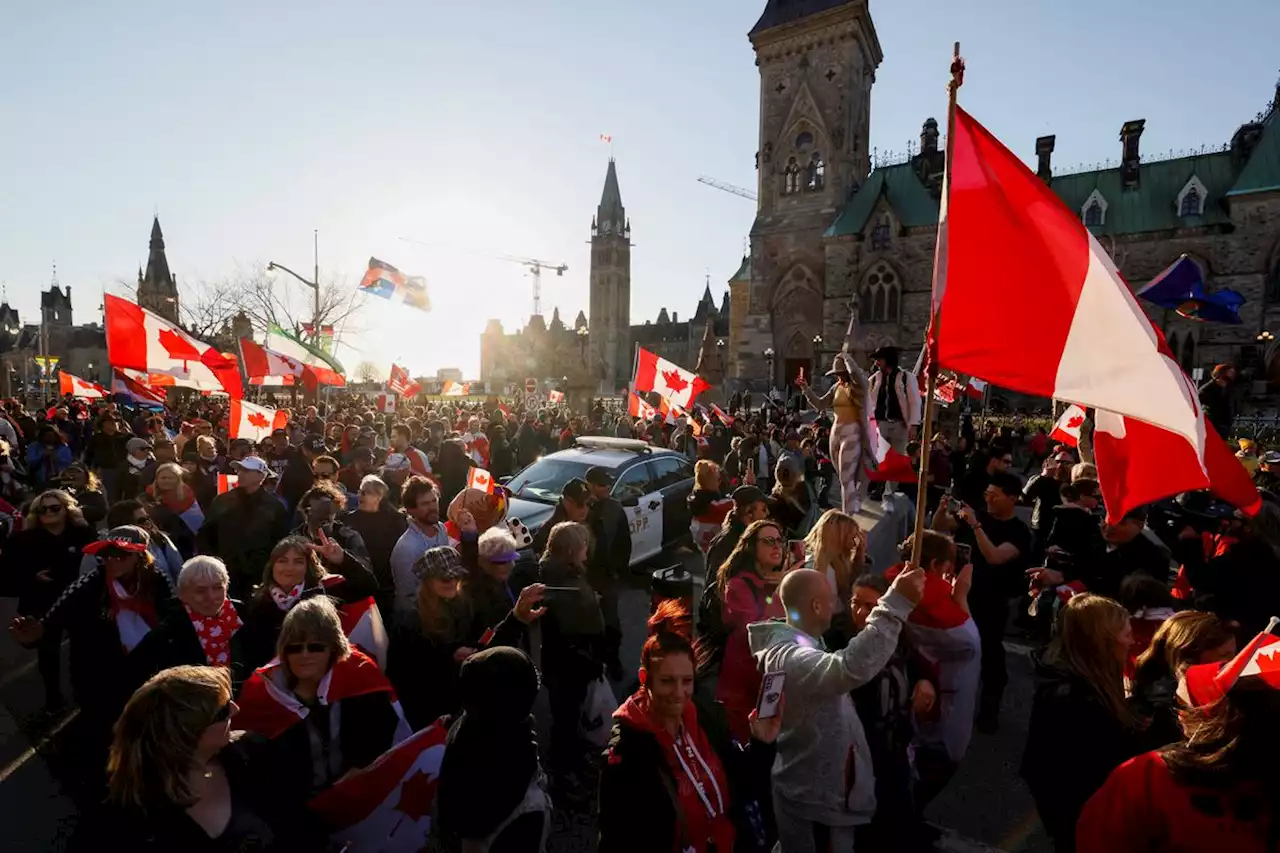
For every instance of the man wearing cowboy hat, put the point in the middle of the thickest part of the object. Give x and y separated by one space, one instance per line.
895 396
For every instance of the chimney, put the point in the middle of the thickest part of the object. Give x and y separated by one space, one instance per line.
929 136
1044 151
1130 157
675 318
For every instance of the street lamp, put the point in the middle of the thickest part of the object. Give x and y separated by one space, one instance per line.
768 356
582 343
314 283
1265 337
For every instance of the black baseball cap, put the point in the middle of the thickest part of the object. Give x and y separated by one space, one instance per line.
598 476
314 443
747 495
576 490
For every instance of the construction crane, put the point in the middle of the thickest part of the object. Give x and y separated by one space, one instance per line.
533 265
729 188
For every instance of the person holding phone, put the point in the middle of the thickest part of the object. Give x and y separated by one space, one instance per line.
673 778
335 542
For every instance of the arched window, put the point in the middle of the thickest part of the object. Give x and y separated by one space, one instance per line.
1093 214
881 295
1190 203
816 175
804 141
1188 357
791 178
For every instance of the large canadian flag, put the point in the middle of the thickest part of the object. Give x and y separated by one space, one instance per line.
141 340
891 466
77 387
261 363
677 385
454 389
254 422
402 383
1067 429
387 806
1014 257
136 385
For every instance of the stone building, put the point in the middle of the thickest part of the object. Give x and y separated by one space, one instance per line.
831 231
604 351
157 288
80 350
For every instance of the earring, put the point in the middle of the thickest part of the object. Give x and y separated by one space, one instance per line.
644 676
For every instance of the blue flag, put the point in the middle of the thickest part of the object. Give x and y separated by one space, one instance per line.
1181 288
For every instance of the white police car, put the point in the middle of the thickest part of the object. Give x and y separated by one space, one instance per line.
651 483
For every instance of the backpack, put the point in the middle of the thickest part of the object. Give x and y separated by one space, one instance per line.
713 634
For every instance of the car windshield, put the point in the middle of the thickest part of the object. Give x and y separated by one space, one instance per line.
543 480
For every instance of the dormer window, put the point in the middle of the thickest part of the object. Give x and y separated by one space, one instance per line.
1094 210
880 235
1191 200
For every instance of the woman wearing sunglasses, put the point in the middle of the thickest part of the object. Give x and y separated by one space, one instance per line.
181 779
748 587
293 573
38 563
326 707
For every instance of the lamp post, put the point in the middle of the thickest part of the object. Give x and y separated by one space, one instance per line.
768 357
1265 337
314 283
582 344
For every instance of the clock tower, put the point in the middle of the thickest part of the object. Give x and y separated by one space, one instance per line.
610 308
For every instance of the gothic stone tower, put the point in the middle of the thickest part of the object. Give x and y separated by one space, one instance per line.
157 288
817 61
610 306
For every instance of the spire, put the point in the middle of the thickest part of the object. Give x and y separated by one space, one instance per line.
157 237
611 218
556 323
157 291
706 305
580 321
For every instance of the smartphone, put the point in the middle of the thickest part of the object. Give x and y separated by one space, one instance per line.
770 701
796 546
551 593
964 555
954 506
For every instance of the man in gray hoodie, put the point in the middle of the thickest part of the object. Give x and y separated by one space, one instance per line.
823 782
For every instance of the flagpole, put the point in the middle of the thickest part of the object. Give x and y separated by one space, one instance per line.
939 267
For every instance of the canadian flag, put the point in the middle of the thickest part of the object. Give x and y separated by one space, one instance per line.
1070 329
387 403
638 408
227 482
387 806
136 386
141 340
720 413
266 365
254 422
77 387
363 625
674 383
1258 663
401 383
555 396
891 466
479 478
454 389
1067 429
975 388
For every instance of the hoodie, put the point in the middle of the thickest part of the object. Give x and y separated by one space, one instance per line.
823 771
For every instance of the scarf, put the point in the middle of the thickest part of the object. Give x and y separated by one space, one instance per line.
134 616
286 600
136 465
183 504
214 632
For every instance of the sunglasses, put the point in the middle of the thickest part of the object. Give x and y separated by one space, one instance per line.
51 509
222 714
299 648
770 541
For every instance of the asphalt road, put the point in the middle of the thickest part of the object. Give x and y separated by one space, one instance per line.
985 807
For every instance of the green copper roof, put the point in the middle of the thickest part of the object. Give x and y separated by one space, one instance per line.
911 202
1262 172
779 12
611 197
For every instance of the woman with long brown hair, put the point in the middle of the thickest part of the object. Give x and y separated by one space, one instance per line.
1183 640
837 547
748 586
180 778
1081 725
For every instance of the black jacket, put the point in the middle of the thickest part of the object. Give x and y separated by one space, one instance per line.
353 547
380 531
502 457
612 533
1104 574
93 504
637 810
105 452
241 529
27 552
1243 584
259 821
1073 744
173 642
1075 530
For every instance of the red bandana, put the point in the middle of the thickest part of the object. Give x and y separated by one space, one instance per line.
214 632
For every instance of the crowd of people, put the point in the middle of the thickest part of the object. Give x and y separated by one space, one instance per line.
251 623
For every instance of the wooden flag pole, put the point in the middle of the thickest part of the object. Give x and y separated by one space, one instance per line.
939 271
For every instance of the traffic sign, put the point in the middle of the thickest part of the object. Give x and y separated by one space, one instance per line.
530 385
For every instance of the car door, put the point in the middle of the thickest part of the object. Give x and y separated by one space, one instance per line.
673 477
643 504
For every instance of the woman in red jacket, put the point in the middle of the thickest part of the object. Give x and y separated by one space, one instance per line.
1219 789
748 587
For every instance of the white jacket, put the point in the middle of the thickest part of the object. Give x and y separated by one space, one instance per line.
908 391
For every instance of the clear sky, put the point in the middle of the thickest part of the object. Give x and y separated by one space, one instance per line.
474 126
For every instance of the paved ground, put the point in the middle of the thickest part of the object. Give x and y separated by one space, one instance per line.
986 807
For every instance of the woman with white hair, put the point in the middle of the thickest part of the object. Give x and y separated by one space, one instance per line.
202 632
486 586
380 525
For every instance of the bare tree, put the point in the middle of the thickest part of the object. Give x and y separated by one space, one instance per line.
367 371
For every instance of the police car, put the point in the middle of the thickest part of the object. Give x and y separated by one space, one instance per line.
651 483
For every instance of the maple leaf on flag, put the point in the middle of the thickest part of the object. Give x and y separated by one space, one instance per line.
1076 422
674 380
178 347
259 420
416 796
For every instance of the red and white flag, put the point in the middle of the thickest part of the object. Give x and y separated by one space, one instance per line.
254 422
387 806
136 386
479 478
402 383
638 408
455 389
975 388
1070 329
1257 664
1067 429
266 366
555 396
722 415
363 625
891 466
944 390
141 340
227 482
678 386
77 387
387 403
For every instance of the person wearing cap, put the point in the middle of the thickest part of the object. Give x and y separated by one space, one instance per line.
1042 492
895 399
341 548
279 451
244 524
1268 474
297 475
1220 399
359 465
1212 790
106 613
574 505
610 558
750 504
128 475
